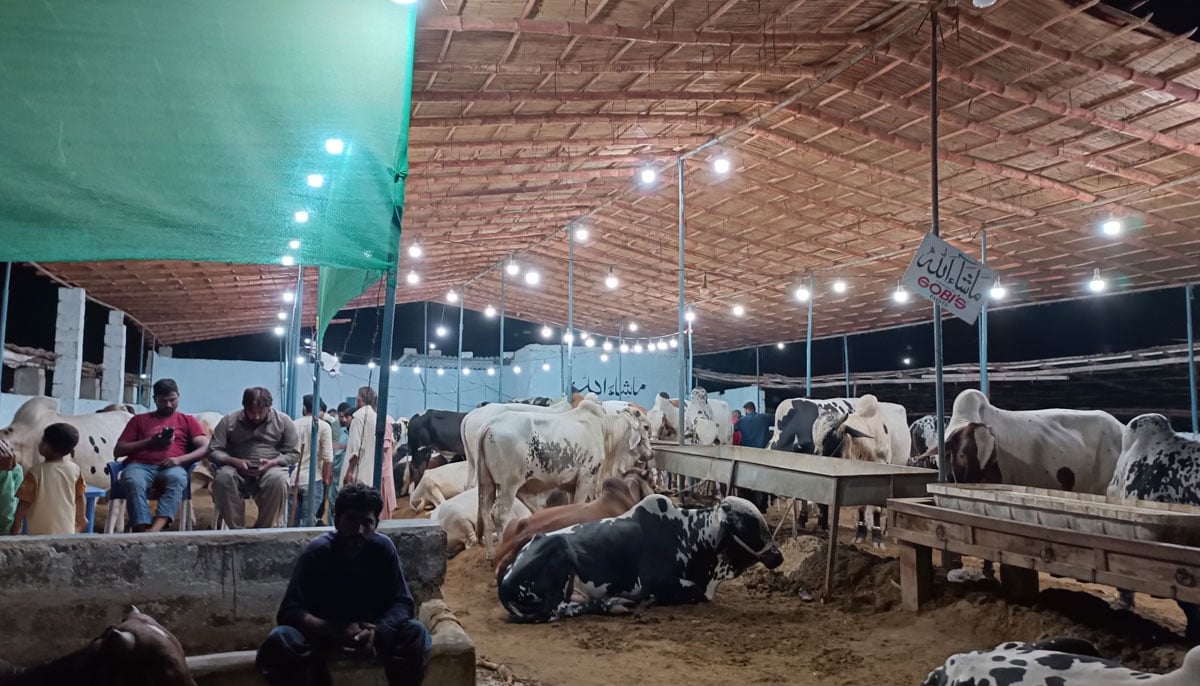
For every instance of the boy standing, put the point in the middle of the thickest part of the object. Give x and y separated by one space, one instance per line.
51 495
11 476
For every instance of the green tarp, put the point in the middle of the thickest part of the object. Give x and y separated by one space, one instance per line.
187 130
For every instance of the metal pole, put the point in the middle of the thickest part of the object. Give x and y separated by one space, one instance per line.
310 515
983 325
846 361
385 374
1187 292
682 369
141 364
425 351
293 388
939 383
462 297
691 359
570 351
757 379
4 317
808 341
620 360
500 371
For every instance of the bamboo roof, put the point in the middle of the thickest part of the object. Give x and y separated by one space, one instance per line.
1055 116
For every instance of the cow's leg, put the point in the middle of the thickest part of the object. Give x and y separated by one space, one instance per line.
876 529
471 471
1125 599
860 530
802 514
823 518
989 569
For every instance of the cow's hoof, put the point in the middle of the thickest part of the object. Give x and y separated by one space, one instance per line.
877 538
802 522
860 534
1124 600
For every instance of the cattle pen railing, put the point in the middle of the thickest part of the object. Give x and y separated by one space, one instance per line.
829 481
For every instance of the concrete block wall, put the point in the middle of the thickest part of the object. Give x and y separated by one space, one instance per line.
216 590
68 346
112 384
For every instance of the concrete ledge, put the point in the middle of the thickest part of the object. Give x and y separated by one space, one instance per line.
452 662
217 591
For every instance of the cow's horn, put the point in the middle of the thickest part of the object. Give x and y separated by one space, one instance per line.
855 433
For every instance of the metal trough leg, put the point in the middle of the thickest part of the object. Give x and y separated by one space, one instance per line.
835 516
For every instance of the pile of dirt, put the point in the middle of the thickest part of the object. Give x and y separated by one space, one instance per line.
861 581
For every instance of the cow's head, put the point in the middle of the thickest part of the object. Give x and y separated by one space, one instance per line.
971 455
25 432
628 437
640 483
744 537
1146 426
699 395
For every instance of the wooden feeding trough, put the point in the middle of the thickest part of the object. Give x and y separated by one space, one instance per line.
829 481
1129 545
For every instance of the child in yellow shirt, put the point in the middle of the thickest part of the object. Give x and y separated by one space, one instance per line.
51 495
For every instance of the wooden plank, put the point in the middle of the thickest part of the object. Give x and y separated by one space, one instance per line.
916 576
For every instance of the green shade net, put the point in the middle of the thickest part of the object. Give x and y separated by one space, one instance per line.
187 130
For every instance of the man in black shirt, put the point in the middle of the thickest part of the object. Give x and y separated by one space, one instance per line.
347 597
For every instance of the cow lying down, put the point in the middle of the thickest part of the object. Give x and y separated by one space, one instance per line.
655 552
1061 662
136 652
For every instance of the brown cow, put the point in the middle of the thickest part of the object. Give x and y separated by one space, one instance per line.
136 652
617 496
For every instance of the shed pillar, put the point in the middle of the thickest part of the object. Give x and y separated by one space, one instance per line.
112 383
68 347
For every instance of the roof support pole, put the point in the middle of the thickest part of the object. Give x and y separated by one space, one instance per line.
983 324
4 323
759 400
425 351
385 374
500 372
569 338
846 361
310 513
141 349
939 384
1187 292
808 342
292 400
682 362
462 298
691 380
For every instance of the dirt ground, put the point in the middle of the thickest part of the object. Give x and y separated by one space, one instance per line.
764 628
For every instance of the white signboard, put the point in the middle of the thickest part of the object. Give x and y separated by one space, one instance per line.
947 276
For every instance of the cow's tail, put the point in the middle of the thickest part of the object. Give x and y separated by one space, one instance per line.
487 485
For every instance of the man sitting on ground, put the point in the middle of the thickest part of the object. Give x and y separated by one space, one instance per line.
161 446
348 597
253 449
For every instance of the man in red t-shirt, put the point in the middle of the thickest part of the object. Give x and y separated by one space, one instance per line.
160 446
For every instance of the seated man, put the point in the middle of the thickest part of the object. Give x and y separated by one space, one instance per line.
252 449
348 597
160 446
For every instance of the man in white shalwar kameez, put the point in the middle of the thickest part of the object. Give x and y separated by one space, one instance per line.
360 450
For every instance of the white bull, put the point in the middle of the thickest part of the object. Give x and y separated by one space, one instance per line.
98 433
473 424
526 453
457 517
439 485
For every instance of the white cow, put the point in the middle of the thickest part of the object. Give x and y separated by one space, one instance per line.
526 453
1039 664
457 517
475 420
1070 450
98 433
439 485
664 417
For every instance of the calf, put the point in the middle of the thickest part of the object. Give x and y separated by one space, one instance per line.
860 435
457 518
654 552
1041 664
431 430
617 495
923 433
136 652
438 486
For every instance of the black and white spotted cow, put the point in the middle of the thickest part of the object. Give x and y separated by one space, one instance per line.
1057 662
924 439
1162 466
656 552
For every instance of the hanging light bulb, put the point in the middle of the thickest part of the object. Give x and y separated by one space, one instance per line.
568 338
316 180
998 291
739 310
433 346
547 332
516 369
288 296
1097 284
334 146
441 331
532 277
491 371
282 316
604 357
839 286
673 342
801 293
413 278
589 342
395 367
415 251
300 359
370 364
721 165
441 372
606 345
287 260
689 316
632 327
489 311
907 361
581 234
648 176
624 347
452 296
545 366
416 370
294 244
466 371
779 345
637 347
511 267
611 282
300 216
901 295
662 345
279 331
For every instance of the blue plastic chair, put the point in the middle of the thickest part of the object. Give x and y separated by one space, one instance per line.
185 519
90 494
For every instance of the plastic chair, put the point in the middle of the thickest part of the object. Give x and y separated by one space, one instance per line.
185 519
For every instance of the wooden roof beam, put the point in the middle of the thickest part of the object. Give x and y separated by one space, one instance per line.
682 119
644 35
582 142
596 96
637 67
548 188
576 175
438 165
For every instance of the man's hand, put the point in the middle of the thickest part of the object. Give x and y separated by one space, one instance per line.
158 442
8 457
359 638
170 462
242 466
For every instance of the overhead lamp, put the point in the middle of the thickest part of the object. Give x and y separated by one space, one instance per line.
907 361
801 293
466 371
294 244
779 345
441 331
370 364
415 251
441 372
632 327
489 311
589 342
547 332
624 348
606 345
581 234
451 296
395 367
900 295
673 342
721 165
413 278
516 369
648 176
689 316
611 281
604 357
282 316
433 346
300 359
637 347
143 376
511 267
739 311
545 366
662 345
287 260
1097 284
839 286
404 2
300 216
568 338
279 331
998 292
1111 227
307 341
335 146
532 277
491 371
316 180
287 296
416 370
